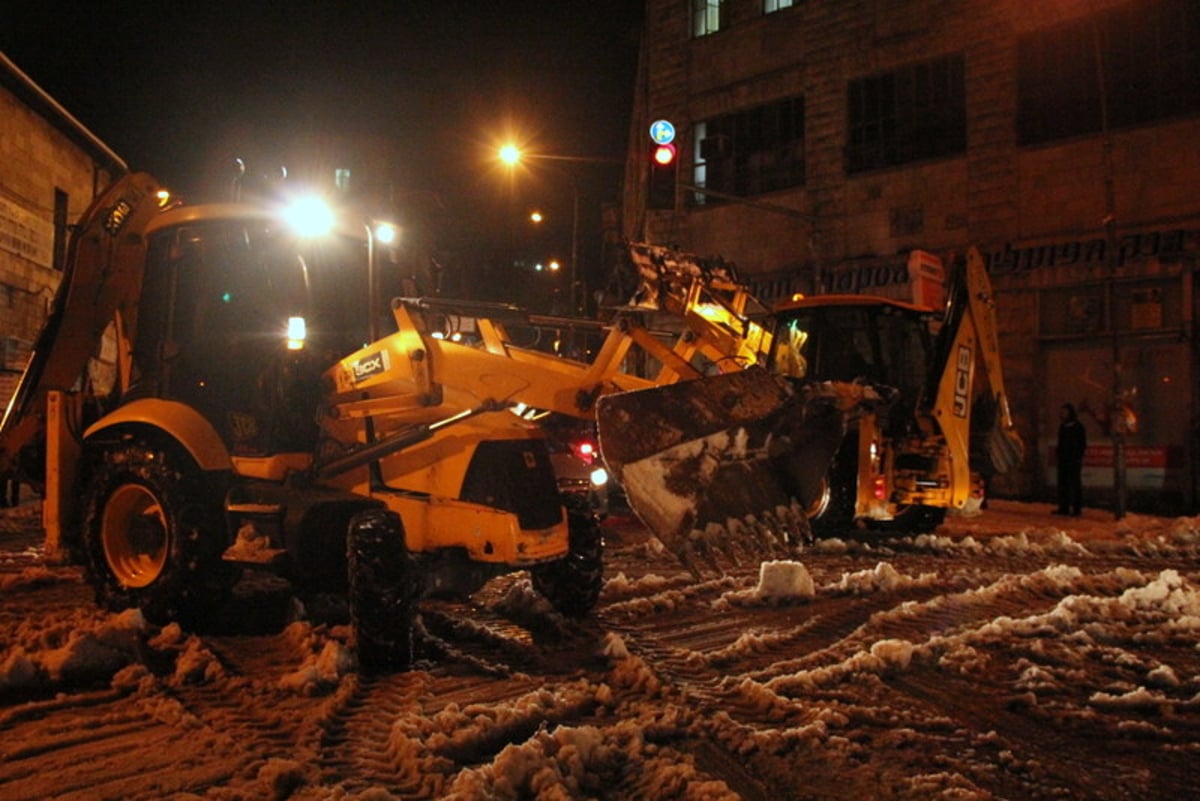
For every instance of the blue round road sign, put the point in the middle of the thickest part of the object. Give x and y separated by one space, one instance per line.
662 132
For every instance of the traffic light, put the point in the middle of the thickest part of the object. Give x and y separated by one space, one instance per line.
664 171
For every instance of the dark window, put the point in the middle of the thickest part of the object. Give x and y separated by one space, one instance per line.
911 114
751 152
1150 62
61 206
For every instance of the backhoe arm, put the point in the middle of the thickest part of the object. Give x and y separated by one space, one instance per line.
101 279
969 334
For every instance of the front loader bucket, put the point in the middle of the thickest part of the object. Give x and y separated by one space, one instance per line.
722 467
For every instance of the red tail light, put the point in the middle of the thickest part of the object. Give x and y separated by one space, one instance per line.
880 488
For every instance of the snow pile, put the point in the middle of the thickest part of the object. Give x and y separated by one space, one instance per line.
1030 541
882 657
778 582
20 519
38 576
1185 531
783 579
621 586
282 777
614 647
194 662
631 673
750 642
670 599
72 652
326 658
566 763
588 762
424 745
884 577
250 544
522 602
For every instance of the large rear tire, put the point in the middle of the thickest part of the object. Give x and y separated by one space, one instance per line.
832 513
154 535
572 584
384 593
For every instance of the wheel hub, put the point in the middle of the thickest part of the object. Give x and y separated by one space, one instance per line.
134 534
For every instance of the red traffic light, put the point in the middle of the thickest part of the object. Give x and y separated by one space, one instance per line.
664 154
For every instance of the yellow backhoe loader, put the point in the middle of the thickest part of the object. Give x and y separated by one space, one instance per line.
254 422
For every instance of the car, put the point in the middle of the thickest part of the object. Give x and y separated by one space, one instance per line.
578 474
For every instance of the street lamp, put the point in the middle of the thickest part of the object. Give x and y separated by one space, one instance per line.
385 234
512 156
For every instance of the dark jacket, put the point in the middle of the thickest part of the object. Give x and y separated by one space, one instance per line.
1072 441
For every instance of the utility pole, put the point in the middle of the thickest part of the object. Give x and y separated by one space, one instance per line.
1116 417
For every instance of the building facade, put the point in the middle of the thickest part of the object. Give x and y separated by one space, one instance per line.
51 168
820 141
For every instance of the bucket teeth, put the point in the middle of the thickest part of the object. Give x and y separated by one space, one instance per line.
775 534
714 466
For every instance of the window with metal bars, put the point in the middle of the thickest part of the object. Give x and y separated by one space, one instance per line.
750 152
914 113
1146 52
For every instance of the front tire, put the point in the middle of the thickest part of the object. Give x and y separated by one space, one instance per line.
383 590
153 535
572 584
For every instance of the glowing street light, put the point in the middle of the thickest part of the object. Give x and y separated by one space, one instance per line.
385 233
510 155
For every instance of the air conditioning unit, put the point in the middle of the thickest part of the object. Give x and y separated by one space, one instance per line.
714 147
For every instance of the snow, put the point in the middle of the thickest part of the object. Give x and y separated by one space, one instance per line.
81 648
783 579
954 665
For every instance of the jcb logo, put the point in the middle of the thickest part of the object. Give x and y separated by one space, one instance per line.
962 381
370 365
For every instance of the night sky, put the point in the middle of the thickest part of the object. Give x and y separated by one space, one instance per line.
170 85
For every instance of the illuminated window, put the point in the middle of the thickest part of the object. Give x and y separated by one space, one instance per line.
911 114
750 152
771 6
708 16
341 179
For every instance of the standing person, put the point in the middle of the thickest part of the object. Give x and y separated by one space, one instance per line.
1072 442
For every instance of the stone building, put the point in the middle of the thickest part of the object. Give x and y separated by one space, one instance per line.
51 167
820 141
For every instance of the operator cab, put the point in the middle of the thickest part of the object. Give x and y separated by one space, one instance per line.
855 338
238 317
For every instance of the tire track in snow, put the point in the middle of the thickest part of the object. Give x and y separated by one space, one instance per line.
88 743
355 748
